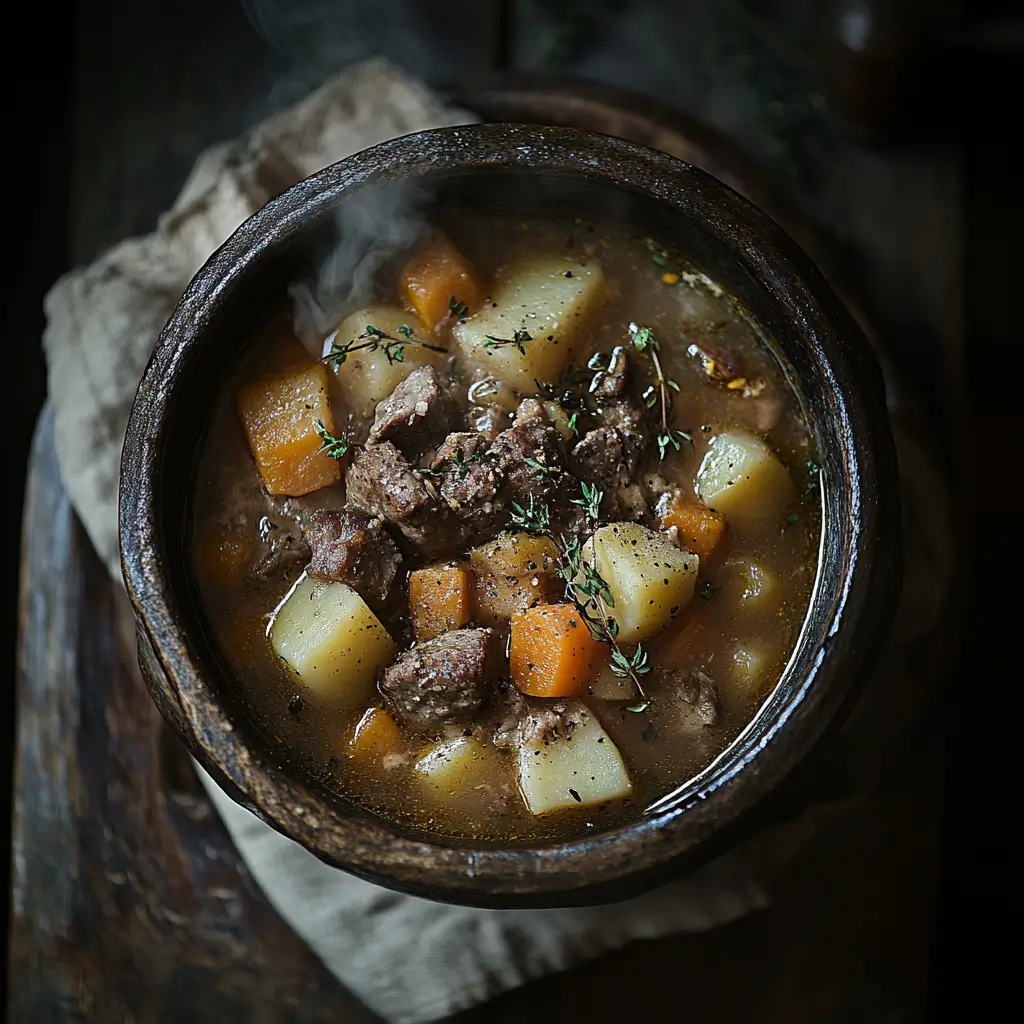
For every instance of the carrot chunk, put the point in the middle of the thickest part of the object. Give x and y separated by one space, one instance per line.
375 734
440 599
553 653
436 280
701 529
280 417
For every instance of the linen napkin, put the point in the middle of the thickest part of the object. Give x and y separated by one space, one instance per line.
102 323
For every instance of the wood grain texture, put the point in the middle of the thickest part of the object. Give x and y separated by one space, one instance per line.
129 900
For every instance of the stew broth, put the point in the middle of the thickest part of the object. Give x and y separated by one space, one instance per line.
708 669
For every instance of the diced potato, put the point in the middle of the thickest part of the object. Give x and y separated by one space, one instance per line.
327 636
753 585
651 581
375 735
440 599
513 572
741 477
279 416
577 770
366 376
552 652
752 666
436 277
452 765
700 528
549 298
516 554
497 598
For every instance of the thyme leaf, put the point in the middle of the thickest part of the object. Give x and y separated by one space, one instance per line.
373 339
518 339
333 447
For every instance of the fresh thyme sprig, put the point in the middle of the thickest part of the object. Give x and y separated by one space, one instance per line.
644 340
518 339
591 500
585 587
372 339
533 518
333 447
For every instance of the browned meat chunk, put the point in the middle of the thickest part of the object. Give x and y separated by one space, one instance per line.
609 456
548 722
417 414
612 383
470 483
629 419
380 481
354 548
443 681
602 458
531 456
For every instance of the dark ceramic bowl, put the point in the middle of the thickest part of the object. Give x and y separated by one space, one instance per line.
521 169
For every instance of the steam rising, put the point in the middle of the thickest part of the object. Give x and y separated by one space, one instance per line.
372 228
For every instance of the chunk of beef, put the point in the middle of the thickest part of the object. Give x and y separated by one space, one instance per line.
611 384
511 706
629 418
531 456
608 458
380 481
353 547
280 549
470 482
443 681
417 414
549 722
601 457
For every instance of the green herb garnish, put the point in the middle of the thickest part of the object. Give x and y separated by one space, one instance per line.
333 447
518 339
373 339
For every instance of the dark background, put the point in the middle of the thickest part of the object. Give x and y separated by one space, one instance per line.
108 103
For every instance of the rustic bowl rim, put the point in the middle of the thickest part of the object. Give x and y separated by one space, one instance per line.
860 539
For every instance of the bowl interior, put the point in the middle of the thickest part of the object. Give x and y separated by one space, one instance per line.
814 341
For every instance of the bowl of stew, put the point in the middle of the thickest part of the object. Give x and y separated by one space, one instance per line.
506 511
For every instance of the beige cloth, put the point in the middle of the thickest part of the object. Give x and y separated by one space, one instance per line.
103 321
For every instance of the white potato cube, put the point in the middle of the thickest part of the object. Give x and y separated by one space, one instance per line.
366 377
752 585
741 477
452 765
752 666
579 769
550 299
328 637
651 580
